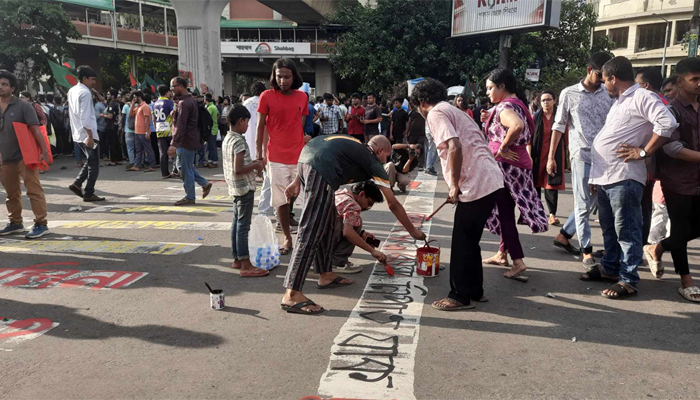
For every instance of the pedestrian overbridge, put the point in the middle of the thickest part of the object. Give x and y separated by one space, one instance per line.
307 11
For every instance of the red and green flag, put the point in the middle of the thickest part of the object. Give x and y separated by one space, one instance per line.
68 63
63 75
149 83
133 81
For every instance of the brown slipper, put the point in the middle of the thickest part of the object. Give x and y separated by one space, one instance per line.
254 273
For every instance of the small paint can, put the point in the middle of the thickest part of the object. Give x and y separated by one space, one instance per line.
428 260
217 299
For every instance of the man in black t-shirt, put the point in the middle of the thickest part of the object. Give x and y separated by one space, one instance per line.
404 159
399 120
111 114
325 163
373 116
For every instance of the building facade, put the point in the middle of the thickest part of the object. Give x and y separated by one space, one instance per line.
638 29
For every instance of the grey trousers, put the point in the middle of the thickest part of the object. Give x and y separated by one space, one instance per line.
343 248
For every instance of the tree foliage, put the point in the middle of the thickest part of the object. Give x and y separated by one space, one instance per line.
32 32
115 67
404 39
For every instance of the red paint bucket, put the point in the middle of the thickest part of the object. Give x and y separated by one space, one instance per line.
428 260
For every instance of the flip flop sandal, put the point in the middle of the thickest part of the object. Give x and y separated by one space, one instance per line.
285 250
620 291
516 277
297 308
337 282
595 275
254 274
567 248
656 267
688 292
458 307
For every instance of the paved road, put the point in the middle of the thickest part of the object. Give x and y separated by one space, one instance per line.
150 334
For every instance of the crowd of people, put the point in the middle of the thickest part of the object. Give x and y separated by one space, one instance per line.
629 137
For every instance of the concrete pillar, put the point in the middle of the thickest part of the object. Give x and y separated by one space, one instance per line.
229 81
325 81
199 41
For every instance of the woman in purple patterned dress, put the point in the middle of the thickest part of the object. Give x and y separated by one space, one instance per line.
509 129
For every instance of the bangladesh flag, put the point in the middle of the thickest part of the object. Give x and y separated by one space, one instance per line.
63 75
132 81
149 83
68 63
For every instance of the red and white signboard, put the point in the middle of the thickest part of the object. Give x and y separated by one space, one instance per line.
474 17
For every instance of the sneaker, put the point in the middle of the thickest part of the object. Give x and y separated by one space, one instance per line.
9 228
184 202
206 189
76 189
92 197
37 231
348 268
431 172
421 169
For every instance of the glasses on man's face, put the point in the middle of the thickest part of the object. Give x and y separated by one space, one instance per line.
598 74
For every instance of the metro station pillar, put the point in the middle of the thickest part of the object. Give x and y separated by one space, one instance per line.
325 81
199 42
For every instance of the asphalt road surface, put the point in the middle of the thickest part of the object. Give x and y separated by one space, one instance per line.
112 304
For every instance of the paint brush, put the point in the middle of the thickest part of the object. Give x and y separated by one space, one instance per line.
388 269
209 287
436 211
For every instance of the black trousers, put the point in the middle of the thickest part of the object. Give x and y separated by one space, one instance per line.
551 197
466 271
155 147
163 145
684 213
647 210
115 146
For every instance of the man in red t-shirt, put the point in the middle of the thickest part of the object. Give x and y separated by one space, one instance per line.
355 126
282 110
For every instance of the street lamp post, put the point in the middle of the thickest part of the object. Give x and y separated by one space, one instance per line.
663 60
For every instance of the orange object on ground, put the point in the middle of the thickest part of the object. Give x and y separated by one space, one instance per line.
30 148
428 260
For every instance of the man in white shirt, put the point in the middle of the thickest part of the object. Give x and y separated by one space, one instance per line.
637 125
84 127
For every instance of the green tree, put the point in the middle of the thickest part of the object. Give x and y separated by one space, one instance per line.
32 32
403 39
115 68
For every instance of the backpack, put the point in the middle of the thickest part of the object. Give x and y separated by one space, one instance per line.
205 123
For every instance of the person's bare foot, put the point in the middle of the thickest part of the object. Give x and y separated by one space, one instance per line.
248 270
499 258
328 277
287 246
553 220
236 264
292 297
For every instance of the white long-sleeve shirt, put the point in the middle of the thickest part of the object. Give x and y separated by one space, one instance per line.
250 135
633 119
82 113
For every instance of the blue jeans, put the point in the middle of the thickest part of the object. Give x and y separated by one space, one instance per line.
77 152
144 152
212 152
130 146
430 154
242 215
620 207
584 202
201 155
185 159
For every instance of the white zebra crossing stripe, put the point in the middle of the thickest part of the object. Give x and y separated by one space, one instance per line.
157 225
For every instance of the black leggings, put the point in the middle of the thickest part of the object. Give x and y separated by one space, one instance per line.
551 197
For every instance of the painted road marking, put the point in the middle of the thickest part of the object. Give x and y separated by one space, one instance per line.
96 246
35 277
13 331
160 209
164 225
175 198
373 356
